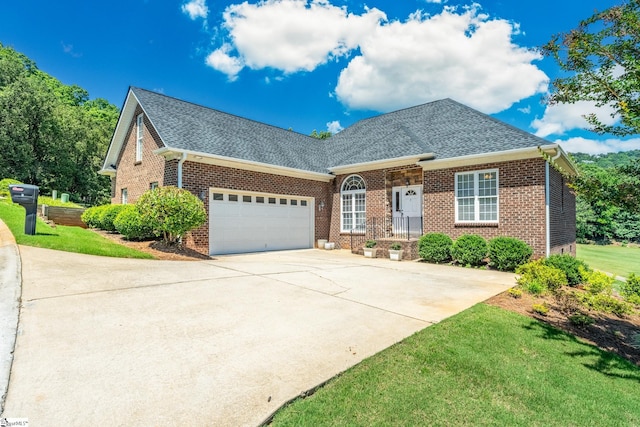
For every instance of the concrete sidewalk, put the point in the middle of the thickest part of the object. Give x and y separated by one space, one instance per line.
105 341
10 288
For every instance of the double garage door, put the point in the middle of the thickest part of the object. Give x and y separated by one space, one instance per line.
254 222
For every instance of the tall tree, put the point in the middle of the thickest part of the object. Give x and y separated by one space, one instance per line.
52 134
602 57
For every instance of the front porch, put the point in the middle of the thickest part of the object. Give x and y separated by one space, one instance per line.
386 231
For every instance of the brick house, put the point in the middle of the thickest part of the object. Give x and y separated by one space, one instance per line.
440 167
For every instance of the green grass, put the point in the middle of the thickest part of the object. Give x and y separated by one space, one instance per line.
484 366
618 260
46 200
63 238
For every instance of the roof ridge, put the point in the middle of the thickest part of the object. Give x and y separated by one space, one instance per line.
173 98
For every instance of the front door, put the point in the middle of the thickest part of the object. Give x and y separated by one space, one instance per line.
407 210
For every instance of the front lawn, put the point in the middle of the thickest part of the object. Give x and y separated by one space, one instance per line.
70 239
618 260
484 366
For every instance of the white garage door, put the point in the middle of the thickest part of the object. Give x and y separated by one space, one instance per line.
254 222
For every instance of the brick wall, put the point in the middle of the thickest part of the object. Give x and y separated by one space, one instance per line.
521 207
199 177
562 215
521 203
136 177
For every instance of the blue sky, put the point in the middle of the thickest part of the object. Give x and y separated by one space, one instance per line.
322 64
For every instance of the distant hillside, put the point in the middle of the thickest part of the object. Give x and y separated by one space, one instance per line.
607 160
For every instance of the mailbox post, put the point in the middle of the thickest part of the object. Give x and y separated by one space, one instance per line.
27 196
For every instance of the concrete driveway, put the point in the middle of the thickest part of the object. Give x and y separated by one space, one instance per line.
121 342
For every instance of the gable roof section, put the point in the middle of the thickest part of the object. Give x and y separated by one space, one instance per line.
187 127
445 128
433 135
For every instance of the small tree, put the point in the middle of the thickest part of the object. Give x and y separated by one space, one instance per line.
171 212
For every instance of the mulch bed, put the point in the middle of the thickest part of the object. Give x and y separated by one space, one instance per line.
157 248
608 332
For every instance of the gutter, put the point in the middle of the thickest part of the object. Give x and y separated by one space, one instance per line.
180 163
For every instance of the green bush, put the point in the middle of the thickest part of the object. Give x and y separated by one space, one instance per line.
129 223
171 212
508 253
435 247
4 186
581 320
90 216
630 290
469 249
570 266
541 309
106 215
370 244
536 278
606 303
597 282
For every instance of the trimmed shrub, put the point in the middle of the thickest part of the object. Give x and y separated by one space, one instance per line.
536 278
515 293
541 309
370 244
129 223
607 304
171 212
106 215
90 216
597 282
4 186
469 249
435 247
570 266
508 253
581 320
630 290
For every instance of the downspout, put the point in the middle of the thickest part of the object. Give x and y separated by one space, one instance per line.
180 162
547 198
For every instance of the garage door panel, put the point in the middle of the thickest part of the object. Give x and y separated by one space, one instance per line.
242 226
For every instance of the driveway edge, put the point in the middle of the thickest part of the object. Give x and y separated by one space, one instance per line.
10 292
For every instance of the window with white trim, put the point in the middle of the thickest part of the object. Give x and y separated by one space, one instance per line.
352 204
477 196
139 133
124 195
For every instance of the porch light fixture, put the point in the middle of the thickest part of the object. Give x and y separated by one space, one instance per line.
321 205
406 181
203 194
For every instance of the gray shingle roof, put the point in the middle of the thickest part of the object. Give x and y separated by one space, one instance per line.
186 126
445 128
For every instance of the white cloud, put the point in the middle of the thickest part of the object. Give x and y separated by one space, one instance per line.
459 53
196 9
592 146
465 56
295 35
560 118
334 126
525 110
220 60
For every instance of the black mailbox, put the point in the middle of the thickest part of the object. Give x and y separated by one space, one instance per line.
27 196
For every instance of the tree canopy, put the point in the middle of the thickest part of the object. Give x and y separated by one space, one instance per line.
51 134
606 205
602 59
323 134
